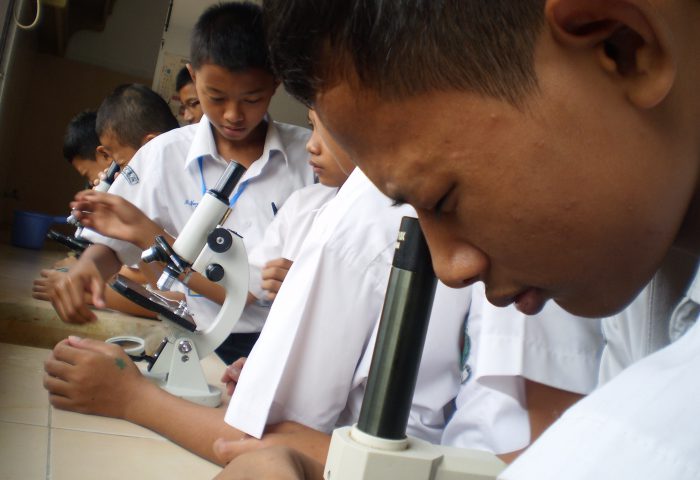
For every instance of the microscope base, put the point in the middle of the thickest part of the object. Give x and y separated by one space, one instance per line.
212 398
356 455
178 370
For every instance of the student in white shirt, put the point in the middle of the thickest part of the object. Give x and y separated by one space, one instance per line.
551 150
81 375
167 178
271 258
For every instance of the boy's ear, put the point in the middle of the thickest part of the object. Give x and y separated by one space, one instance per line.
191 70
629 39
148 138
101 152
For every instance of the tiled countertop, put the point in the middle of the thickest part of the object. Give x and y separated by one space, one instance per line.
40 442
27 321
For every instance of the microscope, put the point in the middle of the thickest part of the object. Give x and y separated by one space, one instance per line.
377 446
77 242
218 253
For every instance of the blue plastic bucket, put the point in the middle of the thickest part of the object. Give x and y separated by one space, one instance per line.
29 228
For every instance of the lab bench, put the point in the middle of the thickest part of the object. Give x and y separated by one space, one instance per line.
38 441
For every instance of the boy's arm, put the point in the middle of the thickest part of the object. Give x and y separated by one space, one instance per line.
545 405
114 216
306 440
88 275
93 377
280 463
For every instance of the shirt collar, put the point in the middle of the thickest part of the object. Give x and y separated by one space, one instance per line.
203 144
273 141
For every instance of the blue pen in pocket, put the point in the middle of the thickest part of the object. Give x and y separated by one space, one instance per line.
274 208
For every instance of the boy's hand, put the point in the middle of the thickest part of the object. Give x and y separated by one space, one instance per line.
312 443
232 374
69 292
116 217
90 376
278 463
43 286
273 274
65 263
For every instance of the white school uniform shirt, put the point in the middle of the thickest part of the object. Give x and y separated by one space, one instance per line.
284 236
642 424
165 181
321 321
439 374
552 347
643 328
486 418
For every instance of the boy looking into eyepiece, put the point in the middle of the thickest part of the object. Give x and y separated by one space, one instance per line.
574 124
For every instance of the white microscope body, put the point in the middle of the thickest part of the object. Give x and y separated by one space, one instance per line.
218 253
103 186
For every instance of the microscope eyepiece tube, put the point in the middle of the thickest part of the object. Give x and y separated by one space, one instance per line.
110 175
402 329
228 181
102 187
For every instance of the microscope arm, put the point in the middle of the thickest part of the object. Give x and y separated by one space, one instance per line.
219 254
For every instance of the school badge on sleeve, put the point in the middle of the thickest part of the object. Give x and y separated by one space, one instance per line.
130 175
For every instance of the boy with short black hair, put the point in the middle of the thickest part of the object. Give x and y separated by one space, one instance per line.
129 117
190 109
560 162
81 147
169 175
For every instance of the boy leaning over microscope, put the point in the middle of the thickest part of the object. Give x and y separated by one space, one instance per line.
166 178
128 118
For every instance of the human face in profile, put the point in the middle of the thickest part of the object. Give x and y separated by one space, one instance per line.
573 197
113 148
331 165
90 168
191 110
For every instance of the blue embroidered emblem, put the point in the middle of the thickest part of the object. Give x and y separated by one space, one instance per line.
130 175
466 351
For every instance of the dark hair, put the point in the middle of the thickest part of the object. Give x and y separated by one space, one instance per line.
230 35
133 111
80 139
401 48
183 78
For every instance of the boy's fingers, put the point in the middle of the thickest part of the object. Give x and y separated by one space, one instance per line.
98 295
271 286
56 368
98 346
55 385
227 450
75 295
279 263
